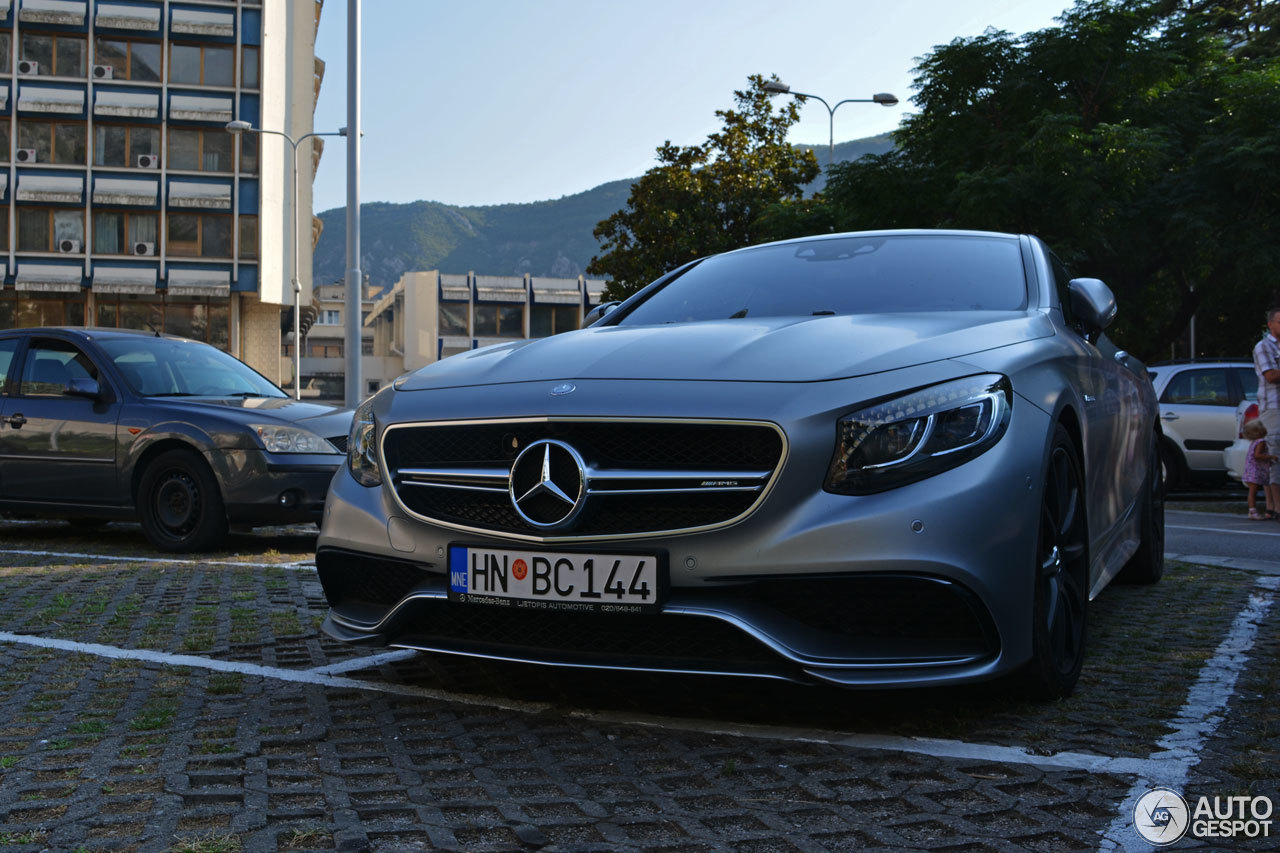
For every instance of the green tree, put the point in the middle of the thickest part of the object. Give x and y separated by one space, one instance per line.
703 199
1139 138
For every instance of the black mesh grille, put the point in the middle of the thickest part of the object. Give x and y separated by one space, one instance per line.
617 445
339 441
620 639
349 579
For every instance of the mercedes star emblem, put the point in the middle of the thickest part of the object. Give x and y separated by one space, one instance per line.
563 388
548 484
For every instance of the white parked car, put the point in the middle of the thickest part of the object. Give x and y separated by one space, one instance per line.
1198 414
1235 455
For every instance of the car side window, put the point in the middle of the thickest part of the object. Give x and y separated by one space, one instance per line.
1198 388
50 365
7 349
1248 380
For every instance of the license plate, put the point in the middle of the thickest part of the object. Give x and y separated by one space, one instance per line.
548 580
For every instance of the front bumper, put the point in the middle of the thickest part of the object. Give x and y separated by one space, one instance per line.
927 584
261 488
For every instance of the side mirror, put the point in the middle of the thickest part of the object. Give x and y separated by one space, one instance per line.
1093 302
599 313
82 386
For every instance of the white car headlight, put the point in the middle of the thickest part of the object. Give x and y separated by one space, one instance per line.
922 433
278 438
362 453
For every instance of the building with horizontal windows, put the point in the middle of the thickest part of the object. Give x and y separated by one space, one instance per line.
124 201
427 316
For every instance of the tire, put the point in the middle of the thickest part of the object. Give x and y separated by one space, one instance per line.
179 503
1146 566
1173 467
1061 596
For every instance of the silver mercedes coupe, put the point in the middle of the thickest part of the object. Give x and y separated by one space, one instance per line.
877 459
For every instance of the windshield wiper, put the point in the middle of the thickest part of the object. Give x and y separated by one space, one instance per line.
822 312
738 315
174 394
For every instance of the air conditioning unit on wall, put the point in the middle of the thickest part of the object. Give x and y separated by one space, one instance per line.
69 247
148 161
103 72
26 155
28 66
142 248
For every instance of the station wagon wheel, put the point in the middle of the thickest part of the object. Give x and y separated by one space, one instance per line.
1061 577
179 503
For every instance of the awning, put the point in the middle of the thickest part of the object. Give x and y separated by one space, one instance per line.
557 291
203 23
594 287
4 7
192 194
50 278
129 104
4 183
66 12
125 191
455 287
500 288
119 17
199 108
65 190
198 282
4 96
45 99
124 279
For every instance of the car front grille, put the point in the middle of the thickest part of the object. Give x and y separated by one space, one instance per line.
641 477
338 441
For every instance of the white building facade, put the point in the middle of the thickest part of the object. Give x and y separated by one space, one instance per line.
126 203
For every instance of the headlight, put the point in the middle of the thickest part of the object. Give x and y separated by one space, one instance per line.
905 439
362 454
290 439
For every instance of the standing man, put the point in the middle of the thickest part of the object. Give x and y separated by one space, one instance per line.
1266 363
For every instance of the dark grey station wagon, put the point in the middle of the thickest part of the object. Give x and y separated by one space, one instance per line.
101 424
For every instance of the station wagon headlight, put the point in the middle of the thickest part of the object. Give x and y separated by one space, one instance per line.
362 453
277 438
899 441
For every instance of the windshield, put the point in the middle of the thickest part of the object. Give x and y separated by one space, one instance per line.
845 275
163 367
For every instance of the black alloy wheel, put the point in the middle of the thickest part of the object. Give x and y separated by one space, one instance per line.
179 503
1146 566
1061 577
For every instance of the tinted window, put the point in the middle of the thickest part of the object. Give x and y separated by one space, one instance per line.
1198 388
845 275
1248 382
50 365
7 349
160 367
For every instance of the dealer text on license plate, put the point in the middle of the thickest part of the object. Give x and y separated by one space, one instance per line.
544 580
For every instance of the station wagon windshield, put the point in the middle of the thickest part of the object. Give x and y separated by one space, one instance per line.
845 275
164 367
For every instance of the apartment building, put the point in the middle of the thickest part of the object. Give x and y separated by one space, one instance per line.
125 201
427 316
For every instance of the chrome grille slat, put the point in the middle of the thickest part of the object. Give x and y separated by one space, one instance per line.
642 476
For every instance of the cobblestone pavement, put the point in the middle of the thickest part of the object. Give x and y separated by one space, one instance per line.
417 752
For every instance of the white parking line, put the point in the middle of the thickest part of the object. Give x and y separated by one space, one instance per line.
295 564
935 747
1199 718
1234 530
368 662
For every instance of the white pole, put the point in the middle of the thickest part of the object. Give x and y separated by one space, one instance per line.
354 324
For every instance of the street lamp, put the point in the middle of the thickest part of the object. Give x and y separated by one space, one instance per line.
238 127
884 99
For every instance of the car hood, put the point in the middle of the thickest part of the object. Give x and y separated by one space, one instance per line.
774 349
323 420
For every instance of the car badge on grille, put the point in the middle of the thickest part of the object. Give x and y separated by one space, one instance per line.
548 484
563 388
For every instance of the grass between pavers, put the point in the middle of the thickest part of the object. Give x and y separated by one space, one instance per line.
125 539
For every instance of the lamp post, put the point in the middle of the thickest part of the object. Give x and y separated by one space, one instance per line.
238 127
884 99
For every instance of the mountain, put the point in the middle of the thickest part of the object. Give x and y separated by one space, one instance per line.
549 238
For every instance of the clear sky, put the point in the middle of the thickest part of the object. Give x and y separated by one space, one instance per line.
496 101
